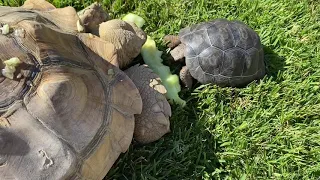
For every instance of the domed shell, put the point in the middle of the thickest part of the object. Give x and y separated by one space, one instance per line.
223 52
70 113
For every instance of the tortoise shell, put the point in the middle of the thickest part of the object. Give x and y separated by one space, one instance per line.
70 113
223 52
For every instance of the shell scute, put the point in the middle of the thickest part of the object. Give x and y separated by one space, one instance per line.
223 52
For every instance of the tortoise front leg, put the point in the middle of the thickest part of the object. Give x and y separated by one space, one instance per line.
185 77
178 52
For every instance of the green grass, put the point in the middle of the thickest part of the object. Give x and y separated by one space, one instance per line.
267 130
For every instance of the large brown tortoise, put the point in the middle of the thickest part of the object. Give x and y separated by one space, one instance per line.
67 109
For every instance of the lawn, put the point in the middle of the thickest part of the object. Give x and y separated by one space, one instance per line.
269 129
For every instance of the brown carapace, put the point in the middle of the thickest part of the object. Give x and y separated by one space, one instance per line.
70 112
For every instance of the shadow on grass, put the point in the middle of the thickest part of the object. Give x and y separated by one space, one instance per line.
274 63
189 150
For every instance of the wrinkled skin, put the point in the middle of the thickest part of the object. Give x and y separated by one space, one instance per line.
127 38
153 122
91 17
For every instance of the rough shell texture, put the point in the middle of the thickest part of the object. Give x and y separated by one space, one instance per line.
127 38
227 53
67 116
153 122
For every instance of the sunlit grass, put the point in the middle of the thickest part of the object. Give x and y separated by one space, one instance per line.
267 130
